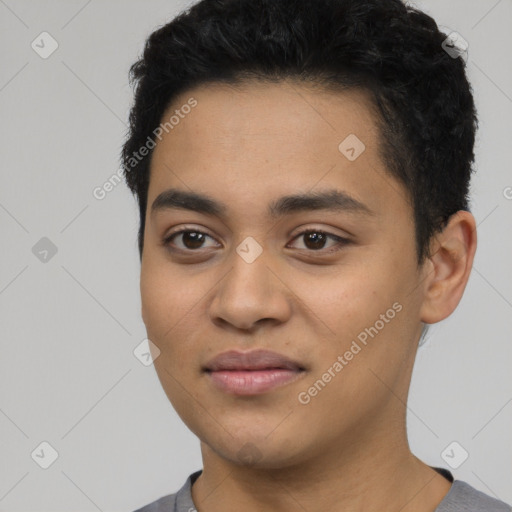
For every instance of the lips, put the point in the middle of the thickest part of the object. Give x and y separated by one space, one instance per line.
254 360
251 373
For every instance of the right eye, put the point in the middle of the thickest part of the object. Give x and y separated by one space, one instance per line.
191 240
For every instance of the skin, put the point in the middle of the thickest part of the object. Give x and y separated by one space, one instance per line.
347 449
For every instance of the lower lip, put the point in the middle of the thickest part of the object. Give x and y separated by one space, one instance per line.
253 382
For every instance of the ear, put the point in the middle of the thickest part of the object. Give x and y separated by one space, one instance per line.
448 268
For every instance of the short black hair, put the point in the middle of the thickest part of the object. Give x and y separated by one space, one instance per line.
424 102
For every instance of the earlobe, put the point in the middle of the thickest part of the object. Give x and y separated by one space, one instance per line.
451 260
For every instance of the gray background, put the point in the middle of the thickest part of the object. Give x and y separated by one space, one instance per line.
69 325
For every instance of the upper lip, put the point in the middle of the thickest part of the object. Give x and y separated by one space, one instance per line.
253 360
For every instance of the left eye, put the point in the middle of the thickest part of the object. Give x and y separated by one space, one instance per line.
315 240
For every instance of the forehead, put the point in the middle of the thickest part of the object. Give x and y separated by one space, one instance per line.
284 115
259 140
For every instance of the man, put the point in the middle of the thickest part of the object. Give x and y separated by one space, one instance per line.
302 171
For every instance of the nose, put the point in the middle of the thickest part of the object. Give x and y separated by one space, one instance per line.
251 294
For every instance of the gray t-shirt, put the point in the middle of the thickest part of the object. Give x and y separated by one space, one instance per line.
460 498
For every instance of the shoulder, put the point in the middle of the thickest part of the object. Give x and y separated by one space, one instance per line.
180 501
462 497
163 504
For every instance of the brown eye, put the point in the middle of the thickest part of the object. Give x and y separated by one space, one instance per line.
193 239
190 239
316 240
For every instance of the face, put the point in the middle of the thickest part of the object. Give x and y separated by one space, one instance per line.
328 280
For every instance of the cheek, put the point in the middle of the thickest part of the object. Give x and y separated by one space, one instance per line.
157 299
168 302
168 314
366 304
346 301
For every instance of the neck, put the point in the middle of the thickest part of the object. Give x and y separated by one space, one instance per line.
375 471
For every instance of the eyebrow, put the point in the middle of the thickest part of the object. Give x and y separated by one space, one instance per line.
330 200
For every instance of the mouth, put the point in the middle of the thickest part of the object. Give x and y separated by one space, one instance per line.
252 373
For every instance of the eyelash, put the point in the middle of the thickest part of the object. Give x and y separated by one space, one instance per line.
341 241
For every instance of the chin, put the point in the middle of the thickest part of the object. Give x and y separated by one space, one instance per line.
258 451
